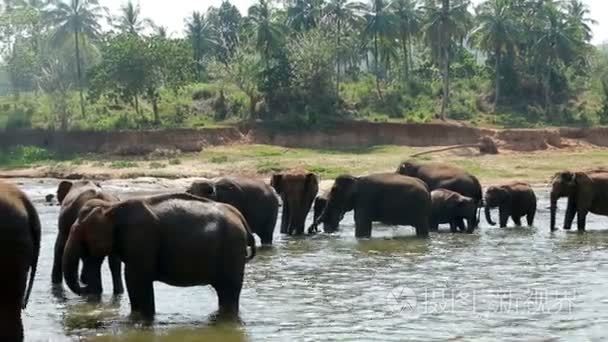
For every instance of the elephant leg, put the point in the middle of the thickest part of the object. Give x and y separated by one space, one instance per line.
57 273
434 226
228 296
453 226
141 293
530 218
363 225
116 270
461 226
91 273
570 213
13 291
422 228
581 220
504 218
517 220
285 218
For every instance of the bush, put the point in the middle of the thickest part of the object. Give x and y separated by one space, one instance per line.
24 156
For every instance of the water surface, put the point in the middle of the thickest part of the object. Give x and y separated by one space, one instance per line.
497 284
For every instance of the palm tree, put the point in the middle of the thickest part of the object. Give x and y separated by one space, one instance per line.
129 21
557 44
342 13
267 33
443 27
578 14
198 32
35 9
303 15
380 27
496 33
78 19
408 15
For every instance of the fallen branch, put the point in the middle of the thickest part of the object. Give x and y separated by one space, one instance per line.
486 146
445 149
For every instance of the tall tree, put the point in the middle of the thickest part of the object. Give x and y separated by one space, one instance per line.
227 27
409 16
381 29
130 20
303 15
496 34
444 26
76 19
341 13
267 34
199 34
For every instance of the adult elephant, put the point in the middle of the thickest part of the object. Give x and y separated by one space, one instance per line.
19 251
178 239
72 196
444 176
451 207
254 199
385 197
514 200
297 191
587 192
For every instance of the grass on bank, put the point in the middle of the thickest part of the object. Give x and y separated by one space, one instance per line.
263 160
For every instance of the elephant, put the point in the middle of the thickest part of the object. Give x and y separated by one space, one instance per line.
587 192
444 176
297 191
515 200
384 197
178 239
254 199
19 251
451 207
318 207
72 196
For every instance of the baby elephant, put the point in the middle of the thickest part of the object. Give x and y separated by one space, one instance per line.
453 208
513 200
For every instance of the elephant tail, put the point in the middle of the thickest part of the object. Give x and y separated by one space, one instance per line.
35 233
250 239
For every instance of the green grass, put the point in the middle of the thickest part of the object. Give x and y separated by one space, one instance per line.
157 165
24 156
175 161
123 164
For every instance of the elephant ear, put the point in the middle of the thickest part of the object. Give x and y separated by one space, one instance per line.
584 189
276 181
63 190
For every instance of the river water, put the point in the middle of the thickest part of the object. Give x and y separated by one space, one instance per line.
498 284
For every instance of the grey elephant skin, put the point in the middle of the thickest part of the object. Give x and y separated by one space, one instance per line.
297 191
73 196
513 200
385 197
453 208
178 239
19 251
253 198
444 176
587 192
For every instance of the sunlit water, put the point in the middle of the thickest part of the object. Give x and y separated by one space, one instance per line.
497 284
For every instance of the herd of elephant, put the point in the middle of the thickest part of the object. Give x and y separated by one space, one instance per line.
205 235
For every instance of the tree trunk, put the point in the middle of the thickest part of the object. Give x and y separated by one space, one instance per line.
406 69
79 72
547 86
410 50
136 104
338 60
377 68
497 75
446 60
155 110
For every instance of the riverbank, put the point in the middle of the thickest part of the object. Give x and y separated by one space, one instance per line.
260 161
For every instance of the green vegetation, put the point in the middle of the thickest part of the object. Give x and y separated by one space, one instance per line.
503 62
22 156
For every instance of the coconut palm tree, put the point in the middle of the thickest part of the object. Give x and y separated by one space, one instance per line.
381 29
130 21
199 33
408 17
444 26
267 34
496 34
341 14
578 14
77 20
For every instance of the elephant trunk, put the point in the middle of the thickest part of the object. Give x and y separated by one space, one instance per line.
71 257
314 227
489 215
553 210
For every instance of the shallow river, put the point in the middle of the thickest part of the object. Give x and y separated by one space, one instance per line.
497 284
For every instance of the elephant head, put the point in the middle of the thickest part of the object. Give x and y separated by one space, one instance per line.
408 168
340 200
95 231
297 191
495 197
204 188
575 185
65 187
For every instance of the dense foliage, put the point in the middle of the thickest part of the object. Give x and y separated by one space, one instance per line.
506 62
